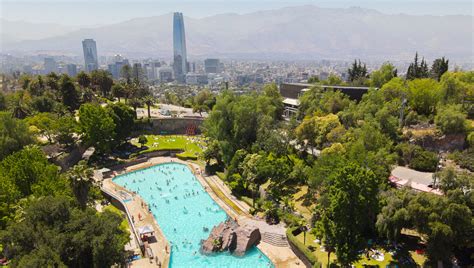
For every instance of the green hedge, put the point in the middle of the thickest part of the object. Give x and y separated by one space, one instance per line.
302 248
185 157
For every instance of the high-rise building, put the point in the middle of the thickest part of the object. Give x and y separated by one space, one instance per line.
116 68
90 55
211 65
71 69
165 74
180 65
50 65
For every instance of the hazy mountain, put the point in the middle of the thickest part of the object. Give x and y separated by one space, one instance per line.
304 32
14 31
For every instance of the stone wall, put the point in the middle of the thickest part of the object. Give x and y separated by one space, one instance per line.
176 125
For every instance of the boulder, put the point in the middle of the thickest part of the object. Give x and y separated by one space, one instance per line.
221 238
247 236
228 236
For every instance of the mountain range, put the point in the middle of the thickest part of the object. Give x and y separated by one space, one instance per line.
302 32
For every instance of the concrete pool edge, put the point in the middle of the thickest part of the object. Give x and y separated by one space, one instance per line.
279 256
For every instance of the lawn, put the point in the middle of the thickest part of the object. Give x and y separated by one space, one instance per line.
192 146
323 256
300 206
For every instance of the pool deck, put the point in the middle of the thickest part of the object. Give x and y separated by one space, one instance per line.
135 207
282 257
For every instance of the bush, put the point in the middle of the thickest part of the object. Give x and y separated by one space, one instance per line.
416 157
450 119
464 159
302 248
424 161
247 200
142 140
185 157
470 140
290 219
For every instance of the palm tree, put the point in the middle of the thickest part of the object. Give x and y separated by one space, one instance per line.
135 103
149 101
19 105
80 177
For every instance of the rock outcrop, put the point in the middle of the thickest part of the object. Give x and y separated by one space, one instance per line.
229 236
247 236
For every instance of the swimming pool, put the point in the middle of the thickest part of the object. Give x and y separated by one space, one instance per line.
186 214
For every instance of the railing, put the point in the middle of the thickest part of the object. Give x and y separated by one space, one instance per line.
129 217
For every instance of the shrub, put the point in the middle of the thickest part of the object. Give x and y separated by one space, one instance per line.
302 248
185 157
464 159
424 161
142 140
416 157
290 219
317 265
247 200
470 140
450 119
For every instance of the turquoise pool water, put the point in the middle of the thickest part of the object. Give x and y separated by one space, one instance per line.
186 213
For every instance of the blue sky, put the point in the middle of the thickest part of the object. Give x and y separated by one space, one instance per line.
98 12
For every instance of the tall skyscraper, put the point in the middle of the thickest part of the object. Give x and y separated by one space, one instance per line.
90 55
180 65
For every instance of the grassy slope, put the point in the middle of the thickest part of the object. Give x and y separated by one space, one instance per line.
173 142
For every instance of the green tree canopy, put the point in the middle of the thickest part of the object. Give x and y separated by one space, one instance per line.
357 73
14 134
97 126
385 73
439 67
352 189
424 95
55 233
123 117
451 119
101 81
417 70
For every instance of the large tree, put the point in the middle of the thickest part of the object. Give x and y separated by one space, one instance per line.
14 134
80 177
439 67
424 95
417 70
352 190
123 117
357 73
101 81
68 92
54 233
451 119
83 79
97 126
381 76
24 173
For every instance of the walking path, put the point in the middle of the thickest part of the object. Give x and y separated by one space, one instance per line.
282 255
160 246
